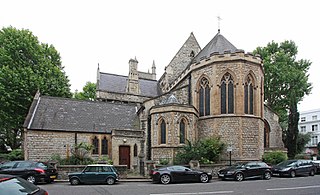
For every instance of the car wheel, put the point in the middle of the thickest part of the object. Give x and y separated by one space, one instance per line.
312 173
239 177
74 181
31 179
204 178
165 179
110 180
292 174
267 175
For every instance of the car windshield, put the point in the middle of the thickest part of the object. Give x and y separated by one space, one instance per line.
287 163
17 186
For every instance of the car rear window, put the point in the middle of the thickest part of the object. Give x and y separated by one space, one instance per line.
41 165
17 186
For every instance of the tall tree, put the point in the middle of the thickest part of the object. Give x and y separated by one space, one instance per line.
26 65
285 85
88 92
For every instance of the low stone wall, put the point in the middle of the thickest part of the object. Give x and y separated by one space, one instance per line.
63 170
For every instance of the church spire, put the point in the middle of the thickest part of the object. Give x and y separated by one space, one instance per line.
153 70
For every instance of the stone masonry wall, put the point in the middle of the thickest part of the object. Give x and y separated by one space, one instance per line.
243 134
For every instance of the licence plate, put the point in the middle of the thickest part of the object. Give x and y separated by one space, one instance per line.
221 175
52 177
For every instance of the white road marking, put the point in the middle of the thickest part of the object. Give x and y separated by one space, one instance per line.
188 193
293 188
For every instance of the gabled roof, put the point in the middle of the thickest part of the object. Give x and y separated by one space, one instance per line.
118 83
218 44
64 114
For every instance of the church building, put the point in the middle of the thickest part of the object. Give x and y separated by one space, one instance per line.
214 91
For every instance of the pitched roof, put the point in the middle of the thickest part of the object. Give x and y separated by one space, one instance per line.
218 44
118 83
63 114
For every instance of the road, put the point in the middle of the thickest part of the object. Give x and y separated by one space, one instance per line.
283 186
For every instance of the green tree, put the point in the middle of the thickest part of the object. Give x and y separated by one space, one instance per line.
26 66
303 139
285 85
88 92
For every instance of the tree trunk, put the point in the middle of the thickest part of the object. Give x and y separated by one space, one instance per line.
293 131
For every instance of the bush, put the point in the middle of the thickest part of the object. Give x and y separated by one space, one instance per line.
164 161
205 151
15 154
274 157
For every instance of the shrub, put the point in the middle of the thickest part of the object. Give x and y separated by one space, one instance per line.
205 151
164 161
274 157
15 154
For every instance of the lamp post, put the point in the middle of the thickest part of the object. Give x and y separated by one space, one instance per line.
229 149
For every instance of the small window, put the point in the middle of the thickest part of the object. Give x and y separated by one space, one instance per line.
314 140
303 129
135 150
314 127
104 145
303 119
314 118
95 143
163 132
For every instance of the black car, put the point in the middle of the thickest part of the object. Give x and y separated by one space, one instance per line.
10 184
248 170
96 173
292 168
31 171
171 174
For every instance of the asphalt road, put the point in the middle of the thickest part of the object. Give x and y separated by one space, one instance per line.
279 186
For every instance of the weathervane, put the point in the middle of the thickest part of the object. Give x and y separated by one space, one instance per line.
219 19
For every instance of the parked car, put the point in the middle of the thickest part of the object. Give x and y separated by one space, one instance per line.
317 165
32 171
10 184
248 170
292 168
95 174
170 174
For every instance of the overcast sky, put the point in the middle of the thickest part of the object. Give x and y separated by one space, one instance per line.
86 33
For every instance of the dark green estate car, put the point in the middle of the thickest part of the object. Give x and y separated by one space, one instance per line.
95 174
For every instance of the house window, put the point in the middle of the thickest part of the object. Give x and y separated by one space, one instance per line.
104 146
135 150
303 129
227 94
303 119
204 97
314 118
182 132
314 140
248 96
314 127
95 143
163 132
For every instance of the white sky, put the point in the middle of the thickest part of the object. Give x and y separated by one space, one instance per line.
111 32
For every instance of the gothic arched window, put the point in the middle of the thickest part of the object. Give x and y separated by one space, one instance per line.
182 133
104 146
163 132
95 143
204 97
227 94
248 96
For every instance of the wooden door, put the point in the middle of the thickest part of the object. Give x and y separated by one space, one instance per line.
124 156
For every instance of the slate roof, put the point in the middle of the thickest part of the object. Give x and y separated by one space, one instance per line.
63 114
218 44
118 83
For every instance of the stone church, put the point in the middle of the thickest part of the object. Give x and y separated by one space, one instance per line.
214 91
